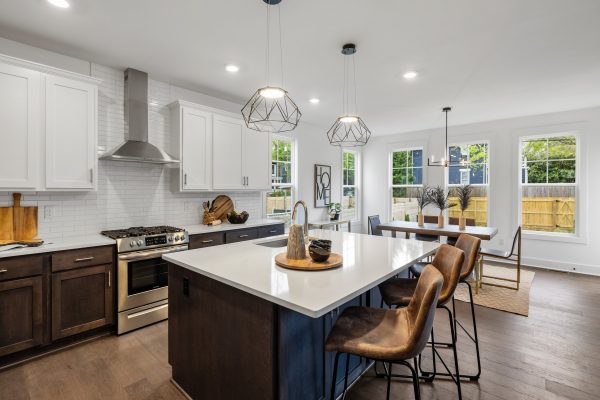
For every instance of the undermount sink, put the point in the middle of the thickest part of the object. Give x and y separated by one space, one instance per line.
275 243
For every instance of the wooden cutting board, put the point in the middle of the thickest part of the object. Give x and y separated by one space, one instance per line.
19 224
221 206
335 260
6 224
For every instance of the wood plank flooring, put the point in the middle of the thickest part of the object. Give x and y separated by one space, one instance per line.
551 355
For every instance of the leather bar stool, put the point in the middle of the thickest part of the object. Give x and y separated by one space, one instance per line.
389 336
398 292
470 245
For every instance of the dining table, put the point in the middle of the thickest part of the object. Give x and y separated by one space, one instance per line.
482 232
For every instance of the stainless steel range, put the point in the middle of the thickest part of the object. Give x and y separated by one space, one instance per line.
142 274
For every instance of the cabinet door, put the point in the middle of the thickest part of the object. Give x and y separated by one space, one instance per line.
227 152
257 160
196 149
20 127
20 314
81 300
70 134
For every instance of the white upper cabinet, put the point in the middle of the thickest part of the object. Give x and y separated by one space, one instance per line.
192 144
228 162
257 160
70 134
20 127
48 134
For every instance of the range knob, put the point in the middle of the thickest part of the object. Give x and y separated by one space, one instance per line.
170 238
139 242
131 244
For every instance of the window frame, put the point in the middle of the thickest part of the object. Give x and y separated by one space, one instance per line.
488 185
293 172
356 185
576 236
391 185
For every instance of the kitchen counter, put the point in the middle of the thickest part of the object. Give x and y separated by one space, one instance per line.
226 226
234 313
247 266
78 242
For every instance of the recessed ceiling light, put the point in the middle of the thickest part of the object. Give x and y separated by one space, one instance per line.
59 3
314 100
232 68
410 75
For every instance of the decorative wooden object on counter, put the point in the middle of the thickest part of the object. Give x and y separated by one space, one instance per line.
19 224
209 217
296 248
307 264
221 206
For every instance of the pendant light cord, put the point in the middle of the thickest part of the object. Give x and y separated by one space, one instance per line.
280 44
354 74
268 58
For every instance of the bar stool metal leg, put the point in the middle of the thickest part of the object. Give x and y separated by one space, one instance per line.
474 337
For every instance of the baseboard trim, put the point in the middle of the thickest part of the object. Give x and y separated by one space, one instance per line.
541 263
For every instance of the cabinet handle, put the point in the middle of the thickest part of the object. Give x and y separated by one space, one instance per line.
109 278
243 236
185 179
247 181
243 181
207 241
3 270
272 231
92 175
84 259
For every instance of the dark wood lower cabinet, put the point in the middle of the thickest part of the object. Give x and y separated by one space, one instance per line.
82 299
21 324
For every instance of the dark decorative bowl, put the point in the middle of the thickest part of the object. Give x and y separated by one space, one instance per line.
319 250
238 218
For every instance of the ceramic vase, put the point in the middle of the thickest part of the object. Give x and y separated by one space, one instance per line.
296 248
441 220
421 219
462 222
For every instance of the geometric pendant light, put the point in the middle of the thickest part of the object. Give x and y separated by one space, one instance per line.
349 130
271 109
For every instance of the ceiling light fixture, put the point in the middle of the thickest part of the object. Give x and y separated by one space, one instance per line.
410 75
349 130
271 109
59 3
314 100
232 68
445 161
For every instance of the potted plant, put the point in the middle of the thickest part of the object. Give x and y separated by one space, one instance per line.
334 211
423 199
464 194
439 197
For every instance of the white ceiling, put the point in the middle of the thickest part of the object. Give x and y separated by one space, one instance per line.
488 59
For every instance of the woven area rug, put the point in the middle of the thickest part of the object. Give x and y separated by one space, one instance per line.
513 301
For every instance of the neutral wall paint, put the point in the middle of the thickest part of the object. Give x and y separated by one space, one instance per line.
503 136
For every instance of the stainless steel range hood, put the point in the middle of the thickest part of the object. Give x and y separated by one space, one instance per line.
136 147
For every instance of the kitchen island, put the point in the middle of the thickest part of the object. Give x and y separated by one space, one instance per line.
242 327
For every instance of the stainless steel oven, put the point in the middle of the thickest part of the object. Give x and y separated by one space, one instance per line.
142 275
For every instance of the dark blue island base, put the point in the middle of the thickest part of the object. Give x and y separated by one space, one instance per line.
228 344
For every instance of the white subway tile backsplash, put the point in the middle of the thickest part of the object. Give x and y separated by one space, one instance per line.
129 194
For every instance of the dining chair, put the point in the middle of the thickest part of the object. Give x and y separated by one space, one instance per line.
373 223
513 255
386 335
428 219
454 221
398 292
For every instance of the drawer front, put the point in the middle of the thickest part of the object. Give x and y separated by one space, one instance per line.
20 267
241 235
271 230
207 240
71 259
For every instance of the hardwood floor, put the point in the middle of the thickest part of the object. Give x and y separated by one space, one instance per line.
551 355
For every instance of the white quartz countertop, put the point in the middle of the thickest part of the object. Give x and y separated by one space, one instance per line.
59 245
226 226
368 261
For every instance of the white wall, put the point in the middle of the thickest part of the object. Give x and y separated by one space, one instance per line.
503 137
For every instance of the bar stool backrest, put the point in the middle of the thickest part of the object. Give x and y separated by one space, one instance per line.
448 260
421 309
455 221
373 223
470 246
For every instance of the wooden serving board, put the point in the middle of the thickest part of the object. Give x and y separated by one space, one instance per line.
221 206
19 224
335 260
6 223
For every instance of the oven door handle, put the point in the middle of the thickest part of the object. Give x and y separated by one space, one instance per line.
144 255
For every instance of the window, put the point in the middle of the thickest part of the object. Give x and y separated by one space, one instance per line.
279 199
469 165
548 184
407 177
349 185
